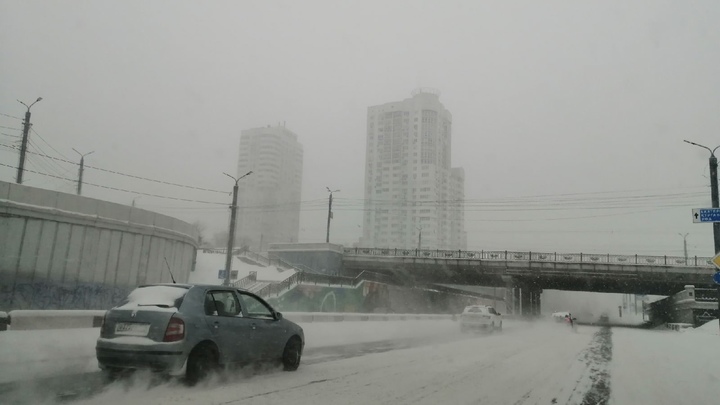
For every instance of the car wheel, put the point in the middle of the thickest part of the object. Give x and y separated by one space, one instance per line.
291 354
499 328
201 362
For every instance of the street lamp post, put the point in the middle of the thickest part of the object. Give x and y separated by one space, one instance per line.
81 170
713 191
231 233
715 202
684 236
330 215
23 146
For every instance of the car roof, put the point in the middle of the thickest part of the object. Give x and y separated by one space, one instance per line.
190 285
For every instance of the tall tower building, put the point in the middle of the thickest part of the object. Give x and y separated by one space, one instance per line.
269 199
411 190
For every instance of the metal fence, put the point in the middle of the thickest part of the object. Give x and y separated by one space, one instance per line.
275 289
706 295
506 255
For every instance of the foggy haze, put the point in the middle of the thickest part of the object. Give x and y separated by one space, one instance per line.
547 98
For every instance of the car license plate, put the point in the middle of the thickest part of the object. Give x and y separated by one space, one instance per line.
132 329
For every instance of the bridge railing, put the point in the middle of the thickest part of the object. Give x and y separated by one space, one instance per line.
275 289
506 255
706 295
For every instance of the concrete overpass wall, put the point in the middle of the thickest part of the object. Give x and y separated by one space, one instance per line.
325 258
63 251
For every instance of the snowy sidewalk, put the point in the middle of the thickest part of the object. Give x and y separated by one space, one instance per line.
665 368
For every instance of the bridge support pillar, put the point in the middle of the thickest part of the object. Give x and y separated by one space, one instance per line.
529 300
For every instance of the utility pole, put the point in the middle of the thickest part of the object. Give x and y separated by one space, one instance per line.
231 233
419 237
330 214
715 201
23 146
684 236
81 170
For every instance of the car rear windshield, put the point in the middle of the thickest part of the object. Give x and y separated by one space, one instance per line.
477 310
161 296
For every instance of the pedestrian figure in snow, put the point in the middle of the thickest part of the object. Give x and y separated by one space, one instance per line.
568 319
571 321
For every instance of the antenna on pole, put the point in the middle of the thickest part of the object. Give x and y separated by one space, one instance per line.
169 271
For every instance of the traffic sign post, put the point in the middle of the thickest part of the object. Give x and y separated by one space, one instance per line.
706 215
716 277
711 214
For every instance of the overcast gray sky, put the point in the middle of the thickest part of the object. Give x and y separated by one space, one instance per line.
548 98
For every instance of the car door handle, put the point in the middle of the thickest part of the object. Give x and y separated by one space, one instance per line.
216 325
254 326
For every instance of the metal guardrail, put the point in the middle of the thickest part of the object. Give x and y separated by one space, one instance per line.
275 289
260 259
706 295
245 281
506 255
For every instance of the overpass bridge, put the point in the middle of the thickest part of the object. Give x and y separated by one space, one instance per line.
526 274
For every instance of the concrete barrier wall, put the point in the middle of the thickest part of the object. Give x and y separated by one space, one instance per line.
63 251
41 320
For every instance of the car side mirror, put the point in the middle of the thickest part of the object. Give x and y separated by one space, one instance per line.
499 313
278 316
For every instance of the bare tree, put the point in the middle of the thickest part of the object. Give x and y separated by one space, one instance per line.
220 239
200 229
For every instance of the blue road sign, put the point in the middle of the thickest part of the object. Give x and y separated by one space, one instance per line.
716 277
701 215
223 273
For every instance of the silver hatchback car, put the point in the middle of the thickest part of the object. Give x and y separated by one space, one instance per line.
194 329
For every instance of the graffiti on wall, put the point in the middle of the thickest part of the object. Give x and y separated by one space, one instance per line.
42 295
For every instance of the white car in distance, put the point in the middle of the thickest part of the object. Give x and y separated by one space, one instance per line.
480 317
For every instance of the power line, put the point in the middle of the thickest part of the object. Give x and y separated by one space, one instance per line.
47 143
121 189
125 174
59 169
11 116
16 129
10 135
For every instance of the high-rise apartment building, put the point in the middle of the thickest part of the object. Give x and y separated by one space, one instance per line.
411 190
269 199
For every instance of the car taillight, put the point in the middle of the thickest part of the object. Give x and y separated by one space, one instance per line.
175 330
104 327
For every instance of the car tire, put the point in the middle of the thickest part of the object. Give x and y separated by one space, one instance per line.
499 328
201 362
292 354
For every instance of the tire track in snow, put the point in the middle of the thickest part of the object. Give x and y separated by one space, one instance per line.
598 359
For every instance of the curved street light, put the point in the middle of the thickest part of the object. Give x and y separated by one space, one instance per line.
330 215
231 234
713 192
23 146
81 170
28 106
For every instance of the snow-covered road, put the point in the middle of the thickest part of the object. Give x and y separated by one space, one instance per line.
540 363
528 363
